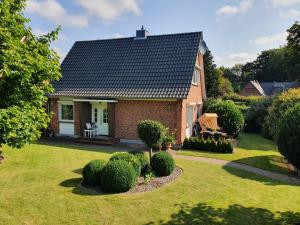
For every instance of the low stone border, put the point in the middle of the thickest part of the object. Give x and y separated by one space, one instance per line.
140 186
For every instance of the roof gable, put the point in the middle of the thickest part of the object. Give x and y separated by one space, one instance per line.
156 67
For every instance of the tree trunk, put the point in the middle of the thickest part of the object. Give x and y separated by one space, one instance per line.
150 155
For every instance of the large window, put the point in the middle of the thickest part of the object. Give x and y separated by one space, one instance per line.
66 112
196 77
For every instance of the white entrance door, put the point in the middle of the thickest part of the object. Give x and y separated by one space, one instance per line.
100 117
189 129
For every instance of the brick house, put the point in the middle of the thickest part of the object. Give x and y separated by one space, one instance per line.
256 88
116 83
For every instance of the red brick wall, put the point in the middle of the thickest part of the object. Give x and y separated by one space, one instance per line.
250 90
54 125
82 115
130 112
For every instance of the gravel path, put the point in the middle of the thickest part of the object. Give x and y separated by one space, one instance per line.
240 166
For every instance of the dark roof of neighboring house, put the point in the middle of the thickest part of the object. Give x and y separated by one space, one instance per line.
157 67
271 88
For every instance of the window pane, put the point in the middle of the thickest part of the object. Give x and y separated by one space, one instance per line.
105 116
67 112
95 115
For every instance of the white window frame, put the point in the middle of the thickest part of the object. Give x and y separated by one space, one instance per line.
60 108
196 79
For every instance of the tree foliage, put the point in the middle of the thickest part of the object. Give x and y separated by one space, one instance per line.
27 65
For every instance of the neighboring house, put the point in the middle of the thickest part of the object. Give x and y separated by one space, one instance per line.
256 88
116 83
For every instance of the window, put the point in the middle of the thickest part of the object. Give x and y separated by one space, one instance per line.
105 116
66 112
95 115
196 77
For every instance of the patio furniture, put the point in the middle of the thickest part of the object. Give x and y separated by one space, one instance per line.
90 130
209 125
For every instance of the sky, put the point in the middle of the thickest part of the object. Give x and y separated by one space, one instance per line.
236 31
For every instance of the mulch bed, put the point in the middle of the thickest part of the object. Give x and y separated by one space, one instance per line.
140 186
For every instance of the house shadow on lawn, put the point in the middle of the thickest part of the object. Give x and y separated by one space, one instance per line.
233 215
267 177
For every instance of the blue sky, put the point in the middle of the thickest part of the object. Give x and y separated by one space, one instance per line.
235 30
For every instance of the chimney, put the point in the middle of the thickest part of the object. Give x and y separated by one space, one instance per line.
141 34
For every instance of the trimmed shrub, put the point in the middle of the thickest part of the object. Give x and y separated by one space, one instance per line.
208 102
289 136
92 172
193 142
130 158
255 115
211 145
151 132
163 163
118 176
281 104
142 158
186 144
230 117
247 100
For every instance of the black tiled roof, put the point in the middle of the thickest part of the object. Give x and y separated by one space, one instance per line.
156 67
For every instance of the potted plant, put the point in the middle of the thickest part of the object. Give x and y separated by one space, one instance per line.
168 141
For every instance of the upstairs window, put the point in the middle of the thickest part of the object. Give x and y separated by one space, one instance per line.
196 77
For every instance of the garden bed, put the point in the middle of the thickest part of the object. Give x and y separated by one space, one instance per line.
141 186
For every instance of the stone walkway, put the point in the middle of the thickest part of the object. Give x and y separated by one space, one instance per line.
240 166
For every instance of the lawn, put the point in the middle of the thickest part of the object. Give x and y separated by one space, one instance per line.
39 186
252 150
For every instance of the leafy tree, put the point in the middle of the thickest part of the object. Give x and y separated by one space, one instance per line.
211 79
293 52
27 65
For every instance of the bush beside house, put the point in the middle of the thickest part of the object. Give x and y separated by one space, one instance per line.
209 145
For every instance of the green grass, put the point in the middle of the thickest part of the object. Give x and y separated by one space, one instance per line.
38 185
252 150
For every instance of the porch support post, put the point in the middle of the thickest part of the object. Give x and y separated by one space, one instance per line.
111 106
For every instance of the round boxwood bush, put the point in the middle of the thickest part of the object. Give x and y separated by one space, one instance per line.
289 136
118 176
130 158
142 158
92 172
163 163
230 117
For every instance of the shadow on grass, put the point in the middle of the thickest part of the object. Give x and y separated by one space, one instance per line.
233 215
76 184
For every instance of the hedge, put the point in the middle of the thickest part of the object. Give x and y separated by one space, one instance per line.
209 145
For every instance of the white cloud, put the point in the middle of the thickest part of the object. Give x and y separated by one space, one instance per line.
60 52
52 10
118 35
277 39
281 3
110 10
290 14
235 58
228 10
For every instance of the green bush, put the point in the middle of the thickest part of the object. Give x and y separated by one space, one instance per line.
281 104
92 172
210 145
143 159
163 163
208 102
247 100
186 144
289 136
118 176
151 132
130 158
256 114
230 117
193 142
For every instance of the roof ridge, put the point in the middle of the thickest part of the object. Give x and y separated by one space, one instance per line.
158 35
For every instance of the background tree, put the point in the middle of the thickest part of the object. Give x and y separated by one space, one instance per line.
211 79
293 52
27 65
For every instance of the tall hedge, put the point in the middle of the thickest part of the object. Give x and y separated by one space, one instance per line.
230 118
289 136
281 104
